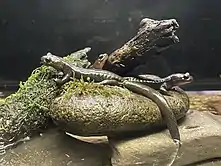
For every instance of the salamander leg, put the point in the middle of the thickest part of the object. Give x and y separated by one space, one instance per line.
163 89
178 89
62 81
60 74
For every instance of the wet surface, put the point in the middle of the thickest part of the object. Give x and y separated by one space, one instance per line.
55 148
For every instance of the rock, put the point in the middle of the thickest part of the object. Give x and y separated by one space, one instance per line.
205 101
54 148
89 109
200 134
215 162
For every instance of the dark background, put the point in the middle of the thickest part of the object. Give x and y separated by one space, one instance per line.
31 28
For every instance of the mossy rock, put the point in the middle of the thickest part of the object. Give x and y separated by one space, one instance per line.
88 109
24 112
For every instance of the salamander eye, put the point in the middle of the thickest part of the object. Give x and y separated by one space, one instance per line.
44 59
145 21
102 56
47 60
186 76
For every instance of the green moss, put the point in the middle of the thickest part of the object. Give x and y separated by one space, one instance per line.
91 116
79 87
26 110
2 101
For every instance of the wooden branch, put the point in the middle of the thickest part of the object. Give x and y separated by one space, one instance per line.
152 38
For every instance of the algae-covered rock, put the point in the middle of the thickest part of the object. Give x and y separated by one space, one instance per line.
25 111
89 109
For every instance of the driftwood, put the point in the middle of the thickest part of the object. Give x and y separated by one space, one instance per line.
152 38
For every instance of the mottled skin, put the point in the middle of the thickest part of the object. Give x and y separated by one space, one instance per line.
106 77
70 70
163 84
156 82
98 75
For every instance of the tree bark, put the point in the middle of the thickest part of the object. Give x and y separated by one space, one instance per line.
152 38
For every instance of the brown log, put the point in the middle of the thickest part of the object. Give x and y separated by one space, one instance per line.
152 38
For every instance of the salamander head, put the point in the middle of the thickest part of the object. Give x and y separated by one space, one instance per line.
53 61
99 63
180 79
